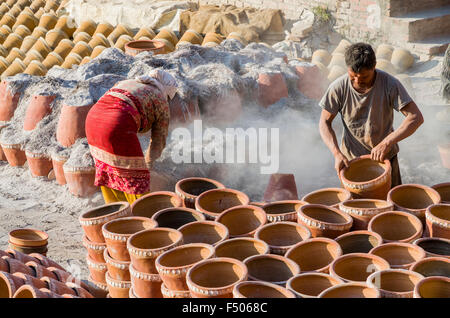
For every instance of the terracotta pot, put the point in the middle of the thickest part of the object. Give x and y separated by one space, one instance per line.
95 250
80 181
402 59
104 28
22 30
39 107
243 220
432 266
32 55
85 60
351 290
167 34
30 280
40 271
82 49
359 241
39 32
68 278
183 111
17 266
9 284
363 210
53 37
399 255
93 220
36 4
15 53
8 19
58 163
71 60
4 64
117 288
100 286
173 265
394 283
271 268
57 287
4 8
413 198
241 248
168 293
52 59
28 237
98 39
42 47
328 196
16 67
144 31
444 152
26 19
29 250
71 124
444 191
174 218
36 68
131 294
356 267
281 187
89 26
81 36
3 157
97 50
8 102
433 287
315 254
97 270
28 43
271 88
396 226
122 41
213 202
223 109
66 24
133 48
145 246
311 80
212 38
146 285
438 220
119 270
324 221
190 188
154 202
22 257
434 247
208 232
48 21
28 291
260 290
64 48
281 211
38 164
4 267
310 285
117 232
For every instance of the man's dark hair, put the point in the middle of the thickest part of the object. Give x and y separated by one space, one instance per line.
360 56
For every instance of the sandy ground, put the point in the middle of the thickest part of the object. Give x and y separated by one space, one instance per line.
42 204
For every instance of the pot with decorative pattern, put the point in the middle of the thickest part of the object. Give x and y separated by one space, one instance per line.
432 266
95 250
394 283
260 290
213 202
444 191
328 196
356 267
434 246
438 220
145 285
175 218
359 241
117 288
208 232
168 293
281 211
351 290
151 203
399 255
243 220
97 270
119 270
396 226
271 268
310 285
363 210
242 247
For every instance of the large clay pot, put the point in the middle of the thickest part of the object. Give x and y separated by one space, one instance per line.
8 102
64 48
39 164
271 268
399 255
359 241
243 220
433 287
444 152
213 202
154 202
366 178
356 267
173 265
281 187
438 220
80 181
281 236
117 232
363 210
71 124
241 248
432 266
117 288
93 219
310 285
190 188
394 283
39 107
260 290
145 285
311 80
324 221
328 196
271 88
396 226
315 254
133 48
168 293
119 270
104 28
58 168
95 250
282 211
97 270
177 217
434 246
413 198
444 191
208 232
351 290
14 154
145 246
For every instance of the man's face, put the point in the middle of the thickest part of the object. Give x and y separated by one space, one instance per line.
362 80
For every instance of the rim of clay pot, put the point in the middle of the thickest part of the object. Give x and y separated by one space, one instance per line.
244 200
97 216
420 252
290 285
416 267
373 290
195 286
196 214
433 282
314 222
174 199
28 237
276 233
88 244
123 265
350 208
5 285
239 290
236 214
350 258
434 193
293 266
369 183
438 186
110 232
265 247
375 278
432 216
161 259
440 240
274 217
413 220
116 283
225 234
340 190
144 45
180 184
318 240
137 241
359 233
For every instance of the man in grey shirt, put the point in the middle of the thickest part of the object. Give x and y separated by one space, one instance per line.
366 98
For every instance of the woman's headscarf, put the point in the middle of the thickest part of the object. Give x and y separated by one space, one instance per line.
161 79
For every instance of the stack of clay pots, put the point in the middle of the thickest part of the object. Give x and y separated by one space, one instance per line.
28 241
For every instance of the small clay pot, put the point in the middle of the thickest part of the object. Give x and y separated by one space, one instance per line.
120 29
173 264
190 188
29 250
28 43
384 51
434 246
281 211
208 232
175 218
46 262
88 26
30 280
243 220
57 287
444 191
80 181
117 232
38 164
144 32
315 254
23 31
399 255
119 270
52 59
100 286
42 47
191 36
39 32
122 41
82 49
17 266
8 19
71 60
117 288
48 21
97 270
402 59
93 219
151 203
324 221
97 50
104 28
58 168
432 266
85 60
396 226
32 55
329 196
168 293
14 154
66 24
94 249
394 283
28 237
167 34
213 202
241 248
145 285
438 220
212 37
26 19
16 67
271 88
28 291
98 39
271 268
133 48
359 241
36 68
22 257
64 48
9 284
145 246
53 37
363 210
356 267
15 54
433 287
351 290
310 285
71 123
81 36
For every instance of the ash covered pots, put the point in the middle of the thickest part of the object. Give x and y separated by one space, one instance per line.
190 188
213 202
154 202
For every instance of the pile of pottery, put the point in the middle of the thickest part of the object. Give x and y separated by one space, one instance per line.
206 240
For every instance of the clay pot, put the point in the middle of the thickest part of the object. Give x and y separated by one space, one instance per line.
9 284
101 287
39 32
93 220
71 124
144 32
433 287
241 248
8 19
26 19
324 221
58 164
55 36
396 226
32 55
122 41
40 271
104 28
438 220
183 111
57 287
216 277
399 255
208 232
66 24
5 31
119 270
97 50
351 290
145 246
17 266
356 267
154 202
71 60
29 250
386 66
176 217
359 241
14 154
94 249
223 109
310 285
321 56
97 270
173 265
190 188
384 51
64 48
363 210
167 34
28 237
15 68
15 54
13 40
17 255
271 268
42 47
88 26
120 29
117 288
315 254
36 68
328 196
8 102
432 266
394 283
271 88
213 202
28 291
82 49
434 247
38 164
80 181
133 48
98 39
36 4
444 191
39 107
243 220
444 152
145 285
191 36
402 59
281 187
4 64
212 38
3 264
23 31
281 211
48 21
81 36
116 233
52 59
4 8
168 293
85 60
28 43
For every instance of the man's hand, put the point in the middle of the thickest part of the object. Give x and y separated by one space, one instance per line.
380 151
340 161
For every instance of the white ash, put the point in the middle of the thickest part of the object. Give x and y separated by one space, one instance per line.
80 156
